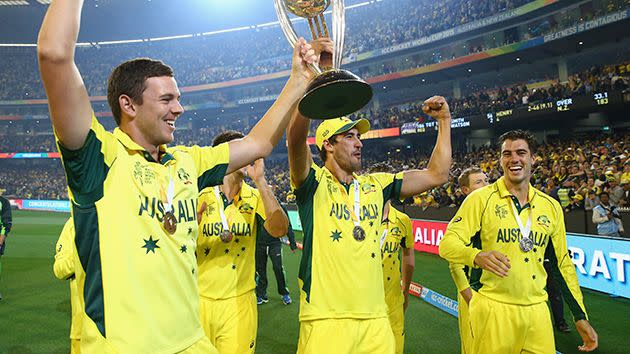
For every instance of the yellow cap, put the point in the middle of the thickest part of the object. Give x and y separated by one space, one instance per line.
335 126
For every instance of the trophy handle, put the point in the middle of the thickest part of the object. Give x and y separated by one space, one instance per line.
339 30
289 31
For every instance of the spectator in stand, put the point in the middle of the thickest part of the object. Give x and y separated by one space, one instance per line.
615 191
607 217
591 201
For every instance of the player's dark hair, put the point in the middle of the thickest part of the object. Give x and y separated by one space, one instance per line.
322 152
226 136
464 177
129 78
602 193
520 135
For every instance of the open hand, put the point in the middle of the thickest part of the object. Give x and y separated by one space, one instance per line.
494 262
588 334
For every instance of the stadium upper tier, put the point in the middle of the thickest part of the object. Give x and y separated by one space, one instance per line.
373 30
596 87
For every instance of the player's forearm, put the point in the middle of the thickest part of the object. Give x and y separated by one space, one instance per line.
455 251
441 157
299 154
277 221
459 277
564 272
268 131
408 265
60 29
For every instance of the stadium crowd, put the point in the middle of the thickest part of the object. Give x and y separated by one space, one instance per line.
267 50
607 78
575 171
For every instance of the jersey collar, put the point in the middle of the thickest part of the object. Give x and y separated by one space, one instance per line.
129 144
504 193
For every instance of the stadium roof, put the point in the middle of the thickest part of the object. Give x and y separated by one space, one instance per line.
109 20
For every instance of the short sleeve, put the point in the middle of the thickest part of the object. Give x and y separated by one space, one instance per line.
87 167
211 163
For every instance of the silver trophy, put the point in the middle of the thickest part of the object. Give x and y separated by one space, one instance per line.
333 92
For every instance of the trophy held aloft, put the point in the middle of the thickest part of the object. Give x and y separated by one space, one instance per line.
333 92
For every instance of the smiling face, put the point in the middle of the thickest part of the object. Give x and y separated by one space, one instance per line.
516 161
346 150
155 117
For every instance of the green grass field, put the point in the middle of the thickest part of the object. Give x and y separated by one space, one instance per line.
35 311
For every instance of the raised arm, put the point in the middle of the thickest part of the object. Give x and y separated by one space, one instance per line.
300 158
68 102
264 136
276 221
436 173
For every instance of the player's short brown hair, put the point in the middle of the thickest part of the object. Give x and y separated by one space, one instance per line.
520 135
332 140
464 177
226 136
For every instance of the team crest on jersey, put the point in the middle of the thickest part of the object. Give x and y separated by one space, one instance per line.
332 187
184 176
209 209
543 220
143 174
368 188
395 231
245 209
501 211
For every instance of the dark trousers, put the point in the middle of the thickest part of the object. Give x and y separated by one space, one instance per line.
274 251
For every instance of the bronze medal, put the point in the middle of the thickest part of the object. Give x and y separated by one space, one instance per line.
169 222
358 233
226 236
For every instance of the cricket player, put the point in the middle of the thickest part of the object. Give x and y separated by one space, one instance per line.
134 199
396 236
469 180
342 299
226 249
517 226
6 221
67 267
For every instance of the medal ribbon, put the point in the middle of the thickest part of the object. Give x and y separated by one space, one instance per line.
528 227
226 227
170 194
384 235
357 203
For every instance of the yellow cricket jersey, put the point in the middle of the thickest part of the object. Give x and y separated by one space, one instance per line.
399 235
67 266
488 211
341 277
228 269
140 292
